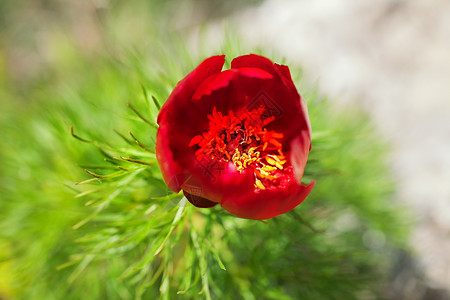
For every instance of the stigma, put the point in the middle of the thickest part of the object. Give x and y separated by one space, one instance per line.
243 139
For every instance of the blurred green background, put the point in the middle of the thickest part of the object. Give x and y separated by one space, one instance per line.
78 63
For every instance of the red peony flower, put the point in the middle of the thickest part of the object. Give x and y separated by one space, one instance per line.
238 137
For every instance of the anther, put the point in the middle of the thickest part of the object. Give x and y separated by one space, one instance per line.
259 184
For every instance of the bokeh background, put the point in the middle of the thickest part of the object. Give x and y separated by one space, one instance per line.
390 57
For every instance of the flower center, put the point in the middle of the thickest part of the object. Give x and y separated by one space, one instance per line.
244 140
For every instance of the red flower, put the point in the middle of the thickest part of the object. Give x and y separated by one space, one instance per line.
238 137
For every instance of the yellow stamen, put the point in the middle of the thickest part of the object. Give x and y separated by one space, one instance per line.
259 184
270 160
253 145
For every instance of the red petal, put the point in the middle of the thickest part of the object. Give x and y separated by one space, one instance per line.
284 70
266 204
283 95
300 147
253 61
170 168
214 180
306 115
225 78
182 93
263 63
171 118
213 83
231 90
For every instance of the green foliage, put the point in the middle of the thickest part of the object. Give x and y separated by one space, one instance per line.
119 233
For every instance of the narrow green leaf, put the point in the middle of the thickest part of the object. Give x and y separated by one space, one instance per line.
123 137
154 125
156 102
140 144
203 265
214 251
72 133
112 175
137 161
177 218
